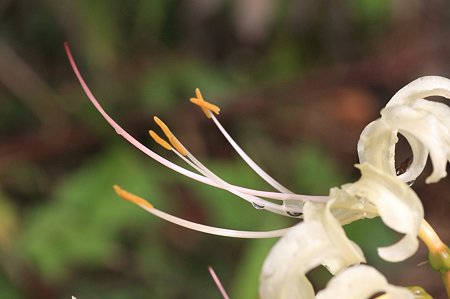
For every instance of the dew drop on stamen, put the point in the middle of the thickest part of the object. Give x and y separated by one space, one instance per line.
257 206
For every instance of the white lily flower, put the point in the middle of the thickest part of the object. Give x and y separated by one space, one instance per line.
360 282
424 124
320 239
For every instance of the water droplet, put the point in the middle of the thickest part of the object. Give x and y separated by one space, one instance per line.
294 214
257 206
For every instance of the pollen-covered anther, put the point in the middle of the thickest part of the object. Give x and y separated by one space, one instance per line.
172 139
159 140
207 107
132 197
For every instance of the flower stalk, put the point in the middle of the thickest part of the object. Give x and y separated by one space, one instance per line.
439 253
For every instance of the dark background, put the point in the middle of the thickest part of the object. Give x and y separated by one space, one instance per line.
297 82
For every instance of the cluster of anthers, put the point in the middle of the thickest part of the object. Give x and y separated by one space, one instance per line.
382 191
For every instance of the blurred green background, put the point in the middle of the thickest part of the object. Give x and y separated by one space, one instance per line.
297 81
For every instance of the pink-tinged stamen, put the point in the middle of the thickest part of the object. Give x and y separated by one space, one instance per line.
119 130
144 204
218 283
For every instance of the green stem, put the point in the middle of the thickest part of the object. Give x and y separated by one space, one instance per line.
439 253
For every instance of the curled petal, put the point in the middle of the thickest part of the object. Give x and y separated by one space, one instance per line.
360 282
397 204
424 124
376 146
421 88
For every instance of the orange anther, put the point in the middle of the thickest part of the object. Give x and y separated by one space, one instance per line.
132 197
172 139
159 140
207 107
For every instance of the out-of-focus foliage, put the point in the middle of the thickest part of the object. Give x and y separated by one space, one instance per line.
64 232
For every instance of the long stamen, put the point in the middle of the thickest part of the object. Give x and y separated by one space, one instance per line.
264 175
124 134
197 165
181 151
250 198
218 283
199 101
261 193
165 162
294 208
144 204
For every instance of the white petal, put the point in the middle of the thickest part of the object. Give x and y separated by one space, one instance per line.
429 124
421 88
350 253
376 146
397 252
397 204
425 125
304 247
361 282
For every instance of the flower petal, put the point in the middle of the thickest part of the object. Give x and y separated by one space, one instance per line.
421 88
425 125
304 247
397 204
300 250
360 282
350 253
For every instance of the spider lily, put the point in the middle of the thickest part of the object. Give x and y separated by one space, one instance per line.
320 239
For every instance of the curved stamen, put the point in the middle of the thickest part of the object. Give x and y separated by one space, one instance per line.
259 193
263 204
264 175
144 204
119 130
258 170
294 209
178 148
218 283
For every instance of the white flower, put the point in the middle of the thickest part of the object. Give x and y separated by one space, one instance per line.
424 124
320 239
